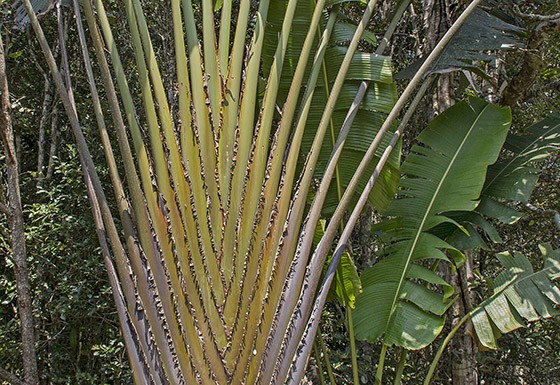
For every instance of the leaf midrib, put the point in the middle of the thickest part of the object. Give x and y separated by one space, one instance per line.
425 218
514 282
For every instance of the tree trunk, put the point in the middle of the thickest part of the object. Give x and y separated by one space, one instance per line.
463 347
15 221
53 142
437 19
532 63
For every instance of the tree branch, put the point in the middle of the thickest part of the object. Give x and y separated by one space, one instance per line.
16 225
534 17
532 63
7 376
5 209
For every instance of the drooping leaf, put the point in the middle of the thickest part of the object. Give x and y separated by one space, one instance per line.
444 172
347 284
475 224
345 31
519 295
498 210
379 98
481 34
41 7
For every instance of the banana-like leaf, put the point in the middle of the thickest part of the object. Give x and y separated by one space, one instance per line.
514 177
343 31
347 284
444 172
519 295
379 98
364 128
511 178
481 34
474 223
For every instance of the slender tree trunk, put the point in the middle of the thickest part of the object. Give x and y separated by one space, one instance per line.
437 19
53 141
463 347
532 62
415 30
49 112
45 114
15 221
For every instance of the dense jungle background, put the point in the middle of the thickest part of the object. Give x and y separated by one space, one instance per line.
77 333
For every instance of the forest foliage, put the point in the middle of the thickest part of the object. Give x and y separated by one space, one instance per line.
78 338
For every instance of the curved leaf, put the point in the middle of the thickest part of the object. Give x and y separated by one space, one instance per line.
513 177
347 284
379 99
344 32
444 172
519 294
41 7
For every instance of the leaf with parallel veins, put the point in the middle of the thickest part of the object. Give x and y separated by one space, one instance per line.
444 172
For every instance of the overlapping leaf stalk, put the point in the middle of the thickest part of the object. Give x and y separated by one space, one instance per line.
207 207
215 241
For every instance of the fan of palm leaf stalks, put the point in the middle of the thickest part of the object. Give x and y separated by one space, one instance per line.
212 262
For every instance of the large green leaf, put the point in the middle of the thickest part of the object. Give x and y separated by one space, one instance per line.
519 294
342 33
512 178
365 127
379 99
444 172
